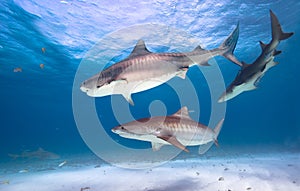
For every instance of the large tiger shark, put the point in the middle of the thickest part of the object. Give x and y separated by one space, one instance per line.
250 74
177 129
144 70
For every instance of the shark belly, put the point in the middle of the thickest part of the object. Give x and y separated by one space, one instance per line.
126 88
153 139
190 137
251 84
194 138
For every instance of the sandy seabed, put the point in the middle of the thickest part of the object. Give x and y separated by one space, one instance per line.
262 172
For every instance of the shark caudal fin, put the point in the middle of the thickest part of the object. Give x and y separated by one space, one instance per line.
277 33
204 148
229 45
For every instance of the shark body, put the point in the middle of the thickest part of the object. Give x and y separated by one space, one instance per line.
250 74
38 154
177 129
144 70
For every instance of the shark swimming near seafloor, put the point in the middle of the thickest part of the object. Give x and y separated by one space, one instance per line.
178 130
250 74
38 154
144 70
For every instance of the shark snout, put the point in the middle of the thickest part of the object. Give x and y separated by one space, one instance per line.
223 98
114 130
118 129
83 87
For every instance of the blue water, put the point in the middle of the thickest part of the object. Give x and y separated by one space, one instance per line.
36 104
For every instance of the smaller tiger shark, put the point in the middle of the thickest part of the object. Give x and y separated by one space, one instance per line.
178 130
250 74
144 70
38 154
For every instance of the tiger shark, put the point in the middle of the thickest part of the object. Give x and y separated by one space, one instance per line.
177 129
144 70
250 74
38 154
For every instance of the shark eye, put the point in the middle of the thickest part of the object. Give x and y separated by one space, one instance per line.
122 128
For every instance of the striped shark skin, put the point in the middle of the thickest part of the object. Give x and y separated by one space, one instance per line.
250 74
178 130
144 70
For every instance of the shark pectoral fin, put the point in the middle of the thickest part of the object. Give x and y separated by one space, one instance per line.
204 148
172 140
254 87
156 146
182 74
127 96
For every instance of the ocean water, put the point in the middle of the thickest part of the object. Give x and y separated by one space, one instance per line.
40 106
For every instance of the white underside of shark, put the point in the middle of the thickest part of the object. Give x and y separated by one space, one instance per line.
250 85
127 88
184 140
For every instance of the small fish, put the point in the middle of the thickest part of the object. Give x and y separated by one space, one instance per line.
18 69
42 66
24 171
4 182
43 49
62 164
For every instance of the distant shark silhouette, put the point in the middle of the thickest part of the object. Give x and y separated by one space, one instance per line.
250 74
178 130
144 70
38 154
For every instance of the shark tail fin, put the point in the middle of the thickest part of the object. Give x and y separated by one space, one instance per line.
277 32
204 148
229 45
217 130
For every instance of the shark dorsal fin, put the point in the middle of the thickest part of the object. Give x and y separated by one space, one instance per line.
262 45
139 49
183 113
198 48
